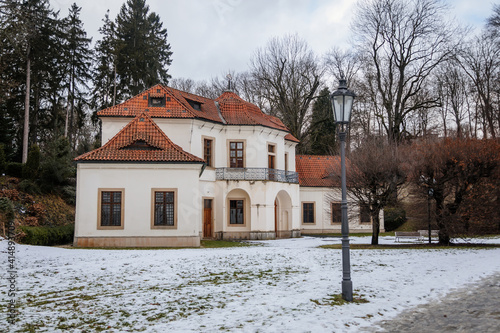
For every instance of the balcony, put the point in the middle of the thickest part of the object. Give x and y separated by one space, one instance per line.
257 174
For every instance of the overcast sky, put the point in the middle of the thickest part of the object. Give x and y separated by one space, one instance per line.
210 37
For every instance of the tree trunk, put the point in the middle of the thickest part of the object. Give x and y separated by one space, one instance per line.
375 226
26 130
444 237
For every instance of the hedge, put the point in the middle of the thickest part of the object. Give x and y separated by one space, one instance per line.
48 235
394 217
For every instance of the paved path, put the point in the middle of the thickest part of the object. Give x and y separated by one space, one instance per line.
472 309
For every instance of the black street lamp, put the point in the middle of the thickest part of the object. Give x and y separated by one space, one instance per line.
342 100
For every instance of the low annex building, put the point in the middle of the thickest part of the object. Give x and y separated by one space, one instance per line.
175 168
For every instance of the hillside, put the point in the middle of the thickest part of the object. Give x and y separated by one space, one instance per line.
37 210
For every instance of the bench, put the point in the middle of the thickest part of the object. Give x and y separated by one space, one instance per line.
407 235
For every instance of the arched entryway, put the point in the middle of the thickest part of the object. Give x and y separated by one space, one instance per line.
282 215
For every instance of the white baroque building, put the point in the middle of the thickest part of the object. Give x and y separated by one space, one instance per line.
175 168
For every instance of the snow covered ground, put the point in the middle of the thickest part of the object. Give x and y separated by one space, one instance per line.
281 286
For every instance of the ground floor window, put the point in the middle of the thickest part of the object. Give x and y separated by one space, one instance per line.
308 212
364 213
236 211
336 212
111 208
164 208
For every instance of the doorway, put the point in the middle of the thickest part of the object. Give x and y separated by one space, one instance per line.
208 225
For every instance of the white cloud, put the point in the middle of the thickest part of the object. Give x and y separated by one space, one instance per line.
209 37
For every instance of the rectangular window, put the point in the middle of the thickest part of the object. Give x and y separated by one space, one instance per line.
208 152
336 212
286 161
308 212
236 155
164 212
364 213
236 212
111 208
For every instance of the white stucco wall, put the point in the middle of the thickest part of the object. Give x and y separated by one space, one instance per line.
137 180
189 135
322 198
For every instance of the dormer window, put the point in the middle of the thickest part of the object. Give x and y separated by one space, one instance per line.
194 104
156 101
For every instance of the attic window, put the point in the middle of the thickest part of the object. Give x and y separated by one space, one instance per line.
168 99
156 101
139 145
194 104
145 97
158 90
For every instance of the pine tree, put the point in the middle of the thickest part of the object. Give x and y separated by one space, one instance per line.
104 77
78 57
323 136
27 27
143 53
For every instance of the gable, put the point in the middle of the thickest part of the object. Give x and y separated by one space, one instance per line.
140 141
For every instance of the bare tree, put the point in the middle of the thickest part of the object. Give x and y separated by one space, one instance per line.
375 176
180 83
451 84
288 70
342 64
480 59
405 41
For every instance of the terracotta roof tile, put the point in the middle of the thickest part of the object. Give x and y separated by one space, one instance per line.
290 137
317 170
175 106
236 111
140 141
178 104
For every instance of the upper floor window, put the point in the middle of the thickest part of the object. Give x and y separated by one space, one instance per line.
158 101
208 151
271 156
286 161
236 155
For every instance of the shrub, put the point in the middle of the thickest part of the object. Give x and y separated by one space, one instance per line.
394 217
29 186
48 236
15 169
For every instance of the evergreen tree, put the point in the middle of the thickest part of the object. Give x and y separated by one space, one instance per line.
27 28
78 59
323 135
104 81
143 53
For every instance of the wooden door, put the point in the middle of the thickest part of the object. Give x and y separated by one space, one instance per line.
207 219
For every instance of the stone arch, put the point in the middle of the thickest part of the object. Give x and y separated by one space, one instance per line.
283 215
236 195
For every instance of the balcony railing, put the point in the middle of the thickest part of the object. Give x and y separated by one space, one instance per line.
257 174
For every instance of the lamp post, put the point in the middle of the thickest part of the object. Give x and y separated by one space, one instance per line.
342 100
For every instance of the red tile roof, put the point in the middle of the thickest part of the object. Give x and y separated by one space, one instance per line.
237 111
176 105
290 137
179 104
317 170
140 141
